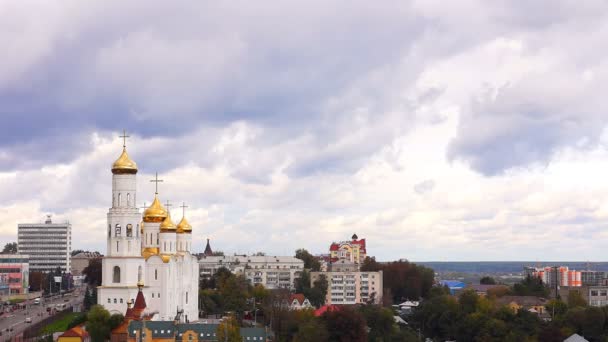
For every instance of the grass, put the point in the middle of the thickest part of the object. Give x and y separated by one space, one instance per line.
16 300
61 324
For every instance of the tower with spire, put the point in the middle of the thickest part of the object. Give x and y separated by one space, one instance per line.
146 254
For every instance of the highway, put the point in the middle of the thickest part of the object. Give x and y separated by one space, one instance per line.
37 312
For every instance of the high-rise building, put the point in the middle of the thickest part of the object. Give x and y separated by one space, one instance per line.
551 275
48 245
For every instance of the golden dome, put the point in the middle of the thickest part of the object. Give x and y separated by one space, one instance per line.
149 251
167 226
183 226
165 257
124 164
155 212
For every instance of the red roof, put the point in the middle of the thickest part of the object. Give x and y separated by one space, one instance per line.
298 296
140 304
325 308
334 247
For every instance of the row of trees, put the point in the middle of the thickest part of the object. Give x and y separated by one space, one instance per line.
470 317
41 281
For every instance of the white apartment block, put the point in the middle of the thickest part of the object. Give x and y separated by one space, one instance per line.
351 287
273 272
48 245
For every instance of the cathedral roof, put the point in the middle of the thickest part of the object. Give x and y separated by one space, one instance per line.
184 226
140 304
168 226
124 164
155 212
208 251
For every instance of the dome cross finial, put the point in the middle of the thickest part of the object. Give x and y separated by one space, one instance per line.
124 137
156 180
184 206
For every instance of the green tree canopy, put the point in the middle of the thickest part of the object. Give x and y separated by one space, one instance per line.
310 261
487 280
10 248
98 323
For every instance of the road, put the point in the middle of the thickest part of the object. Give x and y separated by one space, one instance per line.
37 312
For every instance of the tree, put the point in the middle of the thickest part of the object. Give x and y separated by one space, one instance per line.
316 295
487 280
302 284
234 291
115 320
36 281
92 272
311 331
380 321
576 299
556 308
370 265
310 261
98 324
531 286
345 325
87 301
10 248
229 330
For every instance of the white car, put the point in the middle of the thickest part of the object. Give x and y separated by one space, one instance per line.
28 320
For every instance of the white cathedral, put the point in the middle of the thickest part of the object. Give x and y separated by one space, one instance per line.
150 252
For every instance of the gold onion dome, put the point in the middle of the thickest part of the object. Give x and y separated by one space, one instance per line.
165 257
124 164
167 225
149 251
155 212
183 226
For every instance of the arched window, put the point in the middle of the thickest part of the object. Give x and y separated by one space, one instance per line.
128 200
114 300
165 246
129 230
137 230
157 239
116 275
155 274
119 196
109 230
113 202
186 297
117 230
139 274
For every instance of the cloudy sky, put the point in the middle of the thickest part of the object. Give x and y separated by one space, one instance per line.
461 130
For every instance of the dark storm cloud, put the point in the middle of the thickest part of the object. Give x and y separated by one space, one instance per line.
168 71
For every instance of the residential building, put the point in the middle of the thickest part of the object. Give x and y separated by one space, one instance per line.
597 295
48 244
146 253
353 251
81 260
297 301
531 303
351 287
273 272
593 278
552 274
14 274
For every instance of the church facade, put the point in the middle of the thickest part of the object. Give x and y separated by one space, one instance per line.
148 252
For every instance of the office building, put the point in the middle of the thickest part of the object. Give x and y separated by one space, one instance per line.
48 244
81 260
14 274
273 272
351 287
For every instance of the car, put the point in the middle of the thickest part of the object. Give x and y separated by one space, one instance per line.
28 320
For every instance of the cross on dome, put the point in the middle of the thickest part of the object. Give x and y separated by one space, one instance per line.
156 181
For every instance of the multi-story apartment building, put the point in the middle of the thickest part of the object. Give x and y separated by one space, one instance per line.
48 245
351 287
593 278
273 272
552 274
14 274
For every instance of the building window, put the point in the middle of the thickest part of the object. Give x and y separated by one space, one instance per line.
117 230
152 294
119 195
109 230
139 274
157 239
120 300
155 274
114 300
109 301
128 200
129 230
116 275
186 297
